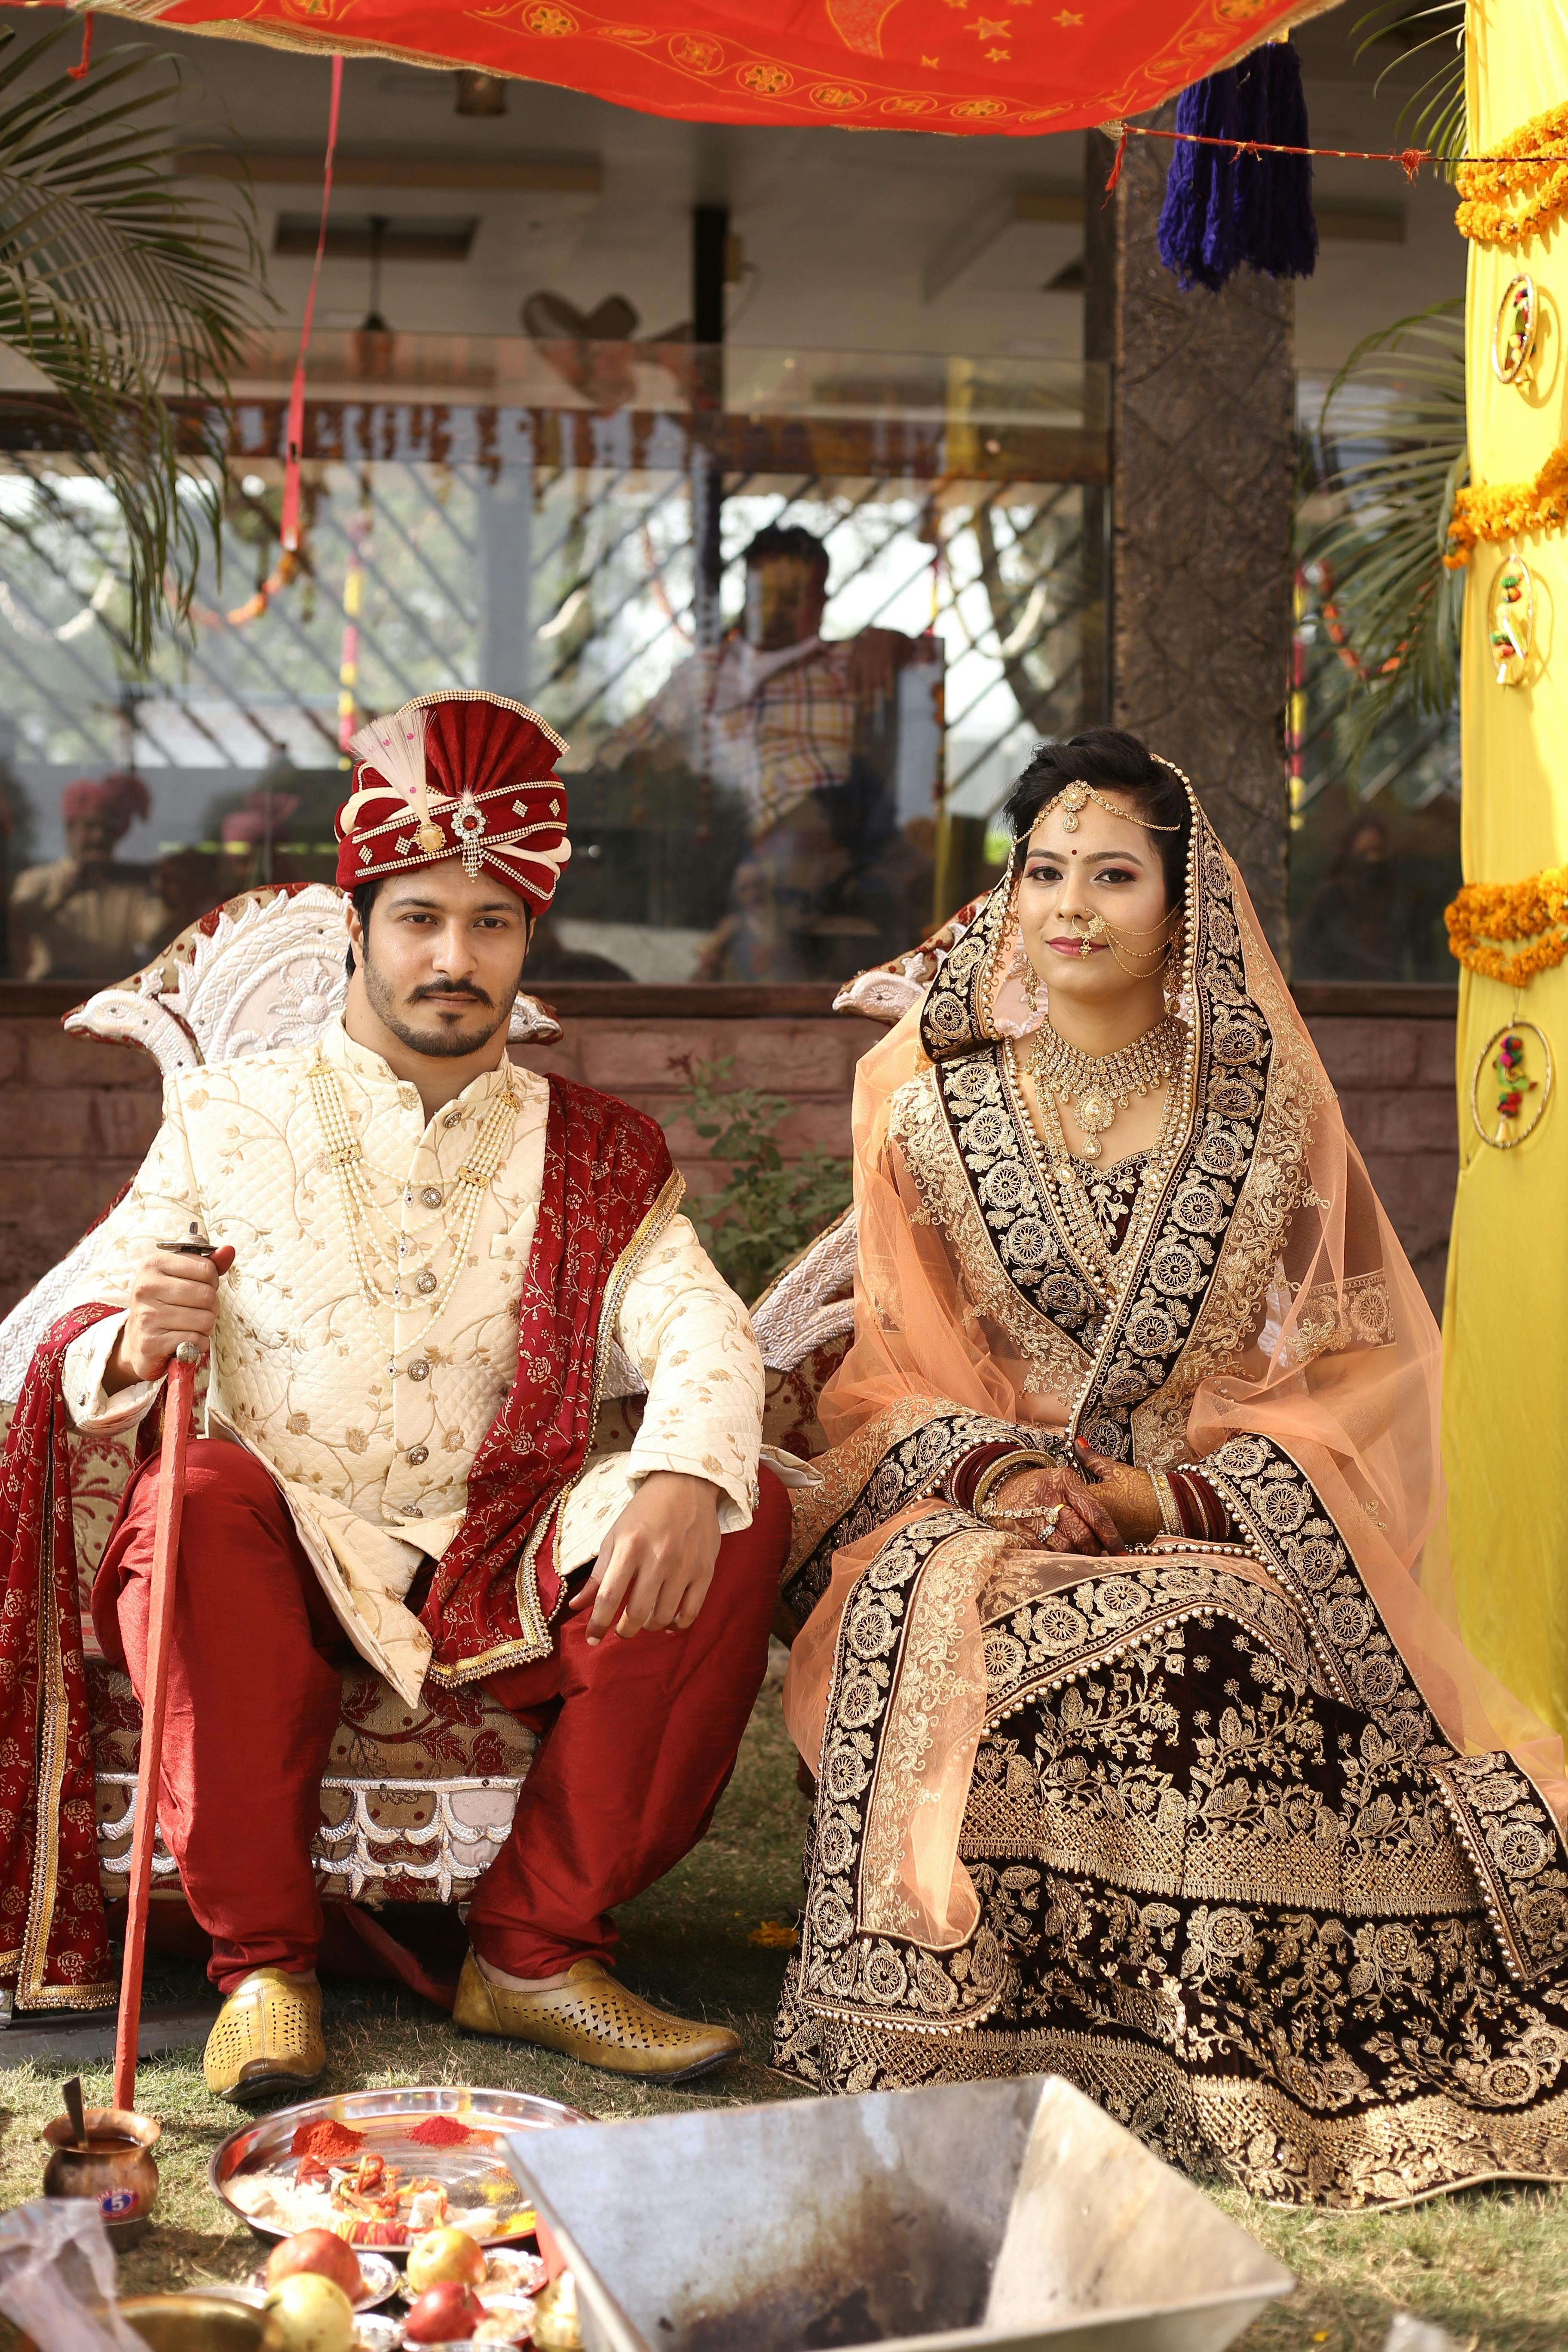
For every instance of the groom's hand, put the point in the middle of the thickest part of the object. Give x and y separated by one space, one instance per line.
655 1564
173 1299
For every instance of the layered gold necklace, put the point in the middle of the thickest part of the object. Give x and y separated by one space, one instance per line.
408 1277
1096 1087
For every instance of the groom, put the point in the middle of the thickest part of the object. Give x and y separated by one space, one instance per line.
422 1257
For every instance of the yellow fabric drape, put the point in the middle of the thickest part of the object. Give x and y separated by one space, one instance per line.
1506 1324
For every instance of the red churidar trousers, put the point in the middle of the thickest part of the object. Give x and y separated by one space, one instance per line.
639 1736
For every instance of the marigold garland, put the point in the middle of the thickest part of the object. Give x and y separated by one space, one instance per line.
1507 202
1496 510
1511 930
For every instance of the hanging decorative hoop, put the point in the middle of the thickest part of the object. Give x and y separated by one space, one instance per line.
1514 329
1510 620
1504 1050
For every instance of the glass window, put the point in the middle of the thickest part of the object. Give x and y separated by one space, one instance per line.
1375 807
799 616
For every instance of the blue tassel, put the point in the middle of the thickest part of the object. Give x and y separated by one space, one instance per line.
1223 208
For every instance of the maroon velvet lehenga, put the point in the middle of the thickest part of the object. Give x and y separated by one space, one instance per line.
1236 1837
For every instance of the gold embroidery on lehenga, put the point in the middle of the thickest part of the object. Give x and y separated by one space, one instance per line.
930 1675
1333 1317
1251 2133
851 1969
959 1144
1508 1830
899 1457
1381 2047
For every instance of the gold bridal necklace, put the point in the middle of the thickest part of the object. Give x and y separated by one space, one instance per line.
409 1284
1096 1087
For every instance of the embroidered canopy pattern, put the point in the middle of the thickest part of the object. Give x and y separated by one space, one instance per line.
887 64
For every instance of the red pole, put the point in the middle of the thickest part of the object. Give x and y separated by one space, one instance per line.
165 1556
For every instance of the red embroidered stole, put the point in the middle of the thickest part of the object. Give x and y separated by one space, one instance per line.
609 1191
55 1938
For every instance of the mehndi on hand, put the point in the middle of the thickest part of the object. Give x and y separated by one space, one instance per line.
1055 1509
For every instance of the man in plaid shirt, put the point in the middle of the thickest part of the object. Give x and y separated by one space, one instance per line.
771 712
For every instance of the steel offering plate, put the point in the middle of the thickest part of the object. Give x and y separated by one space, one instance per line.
380 2278
385 2119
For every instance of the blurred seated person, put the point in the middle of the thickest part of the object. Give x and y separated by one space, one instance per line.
87 916
190 883
1377 913
779 715
550 958
253 838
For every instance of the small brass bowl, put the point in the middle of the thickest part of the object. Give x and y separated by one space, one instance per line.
117 2169
199 2323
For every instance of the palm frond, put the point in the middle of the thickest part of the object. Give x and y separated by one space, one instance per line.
1391 453
117 281
1434 116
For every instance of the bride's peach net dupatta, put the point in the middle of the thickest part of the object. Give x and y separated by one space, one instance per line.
1314 1334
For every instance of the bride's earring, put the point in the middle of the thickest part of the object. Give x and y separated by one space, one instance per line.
1023 970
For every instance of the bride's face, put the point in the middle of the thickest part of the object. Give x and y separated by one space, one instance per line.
1078 885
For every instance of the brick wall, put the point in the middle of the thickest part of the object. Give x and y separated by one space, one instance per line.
75 1117
1394 1078
75 1120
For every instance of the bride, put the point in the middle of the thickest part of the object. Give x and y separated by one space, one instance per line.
1144 1752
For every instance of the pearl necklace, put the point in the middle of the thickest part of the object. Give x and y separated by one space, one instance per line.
353 1172
1096 1087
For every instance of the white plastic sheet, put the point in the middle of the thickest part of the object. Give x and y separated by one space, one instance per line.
57 2277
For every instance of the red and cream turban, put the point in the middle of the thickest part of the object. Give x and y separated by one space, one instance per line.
117 800
457 775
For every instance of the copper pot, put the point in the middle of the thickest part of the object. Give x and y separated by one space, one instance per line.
115 2167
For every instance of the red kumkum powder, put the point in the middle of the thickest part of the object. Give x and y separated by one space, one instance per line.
328 2141
444 2131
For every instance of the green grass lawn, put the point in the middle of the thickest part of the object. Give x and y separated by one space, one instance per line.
1491 2266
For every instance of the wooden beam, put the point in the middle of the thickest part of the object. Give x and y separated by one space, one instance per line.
980 233
293 167
1339 219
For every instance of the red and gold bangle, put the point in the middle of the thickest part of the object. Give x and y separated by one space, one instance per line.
992 1476
1204 1515
961 1480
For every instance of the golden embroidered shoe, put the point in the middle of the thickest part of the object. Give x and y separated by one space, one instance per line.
593 2019
268 2037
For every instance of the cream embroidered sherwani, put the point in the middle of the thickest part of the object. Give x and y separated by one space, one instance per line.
369 1429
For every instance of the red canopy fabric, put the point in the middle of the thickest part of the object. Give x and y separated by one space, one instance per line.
1019 66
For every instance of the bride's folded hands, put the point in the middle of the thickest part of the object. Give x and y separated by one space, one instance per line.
1126 1494
1065 1512
1054 1508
